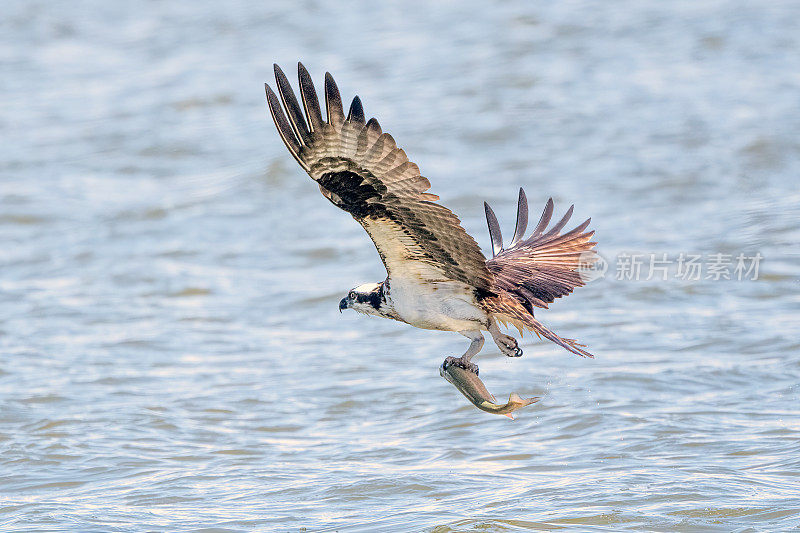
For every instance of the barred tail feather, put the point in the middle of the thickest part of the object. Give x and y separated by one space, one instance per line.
509 310
569 344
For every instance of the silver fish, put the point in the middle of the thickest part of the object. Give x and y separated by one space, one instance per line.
475 391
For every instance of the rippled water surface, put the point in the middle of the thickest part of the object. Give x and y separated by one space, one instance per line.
171 353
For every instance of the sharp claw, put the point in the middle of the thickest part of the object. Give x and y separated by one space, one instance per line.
515 352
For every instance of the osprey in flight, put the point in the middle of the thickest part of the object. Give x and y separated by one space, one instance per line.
437 276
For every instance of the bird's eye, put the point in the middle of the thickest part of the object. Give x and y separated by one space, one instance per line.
352 295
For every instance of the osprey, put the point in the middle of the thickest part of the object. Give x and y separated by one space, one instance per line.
437 276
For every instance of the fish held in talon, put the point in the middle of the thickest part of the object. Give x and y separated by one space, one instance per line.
471 386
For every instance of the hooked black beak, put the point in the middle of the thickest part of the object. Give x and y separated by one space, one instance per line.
343 304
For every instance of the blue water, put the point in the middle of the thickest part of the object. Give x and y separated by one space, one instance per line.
171 353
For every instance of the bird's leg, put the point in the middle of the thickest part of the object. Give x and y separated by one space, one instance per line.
507 344
477 343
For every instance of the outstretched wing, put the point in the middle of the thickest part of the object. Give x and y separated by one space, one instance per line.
535 271
546 265
361 170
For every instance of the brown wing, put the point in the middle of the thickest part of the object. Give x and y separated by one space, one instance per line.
545 266
361 170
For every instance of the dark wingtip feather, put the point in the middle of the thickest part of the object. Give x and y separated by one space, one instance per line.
356 113
544 220
372 125
333 102
494 230
284 129
561 223
522 218
293 111
310 100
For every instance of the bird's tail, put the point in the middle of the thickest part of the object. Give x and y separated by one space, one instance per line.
507 309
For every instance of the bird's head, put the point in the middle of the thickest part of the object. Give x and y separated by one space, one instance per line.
366 299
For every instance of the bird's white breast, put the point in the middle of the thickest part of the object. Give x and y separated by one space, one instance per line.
442 305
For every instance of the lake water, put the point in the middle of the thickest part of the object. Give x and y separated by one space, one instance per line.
171 353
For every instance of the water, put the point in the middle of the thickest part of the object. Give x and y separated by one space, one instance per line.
172 355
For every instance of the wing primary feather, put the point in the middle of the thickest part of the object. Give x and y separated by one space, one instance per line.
333 102
372 125
356 113
293 110
310 100
576 231
494 230
561 223
544 220
522 218
284 129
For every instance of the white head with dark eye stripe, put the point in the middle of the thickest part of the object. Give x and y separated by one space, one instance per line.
367 299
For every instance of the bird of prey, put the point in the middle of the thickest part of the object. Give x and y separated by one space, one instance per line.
438 278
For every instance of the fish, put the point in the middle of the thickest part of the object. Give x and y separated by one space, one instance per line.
471 386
